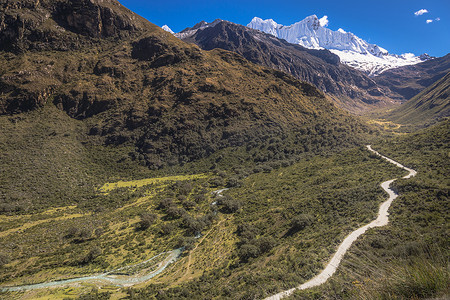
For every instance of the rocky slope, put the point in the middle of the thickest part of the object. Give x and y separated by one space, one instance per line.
351 89
408 81
134 84
352 50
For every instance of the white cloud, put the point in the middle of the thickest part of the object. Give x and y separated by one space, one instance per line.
420 12
323 21
431 21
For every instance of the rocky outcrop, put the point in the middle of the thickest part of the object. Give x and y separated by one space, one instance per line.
21 100
88 18
46 25
82 104
158 52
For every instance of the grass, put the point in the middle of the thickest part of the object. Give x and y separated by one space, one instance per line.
270 200
142 182
42 204
426 108
337 193
408 258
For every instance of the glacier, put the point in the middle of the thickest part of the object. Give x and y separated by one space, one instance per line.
352 50
167 28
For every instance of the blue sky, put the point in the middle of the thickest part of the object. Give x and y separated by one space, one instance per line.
390 24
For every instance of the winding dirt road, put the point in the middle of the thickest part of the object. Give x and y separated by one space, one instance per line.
381 220
173 255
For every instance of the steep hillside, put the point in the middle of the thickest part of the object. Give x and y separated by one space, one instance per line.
408 81
430 105
134 84
349 88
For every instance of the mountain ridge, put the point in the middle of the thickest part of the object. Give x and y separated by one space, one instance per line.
140 86
428 107
349 88
408 81
352 50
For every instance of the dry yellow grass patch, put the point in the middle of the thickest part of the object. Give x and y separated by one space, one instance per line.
142 182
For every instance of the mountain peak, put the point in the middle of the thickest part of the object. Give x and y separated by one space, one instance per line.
187 32
167 28
312 33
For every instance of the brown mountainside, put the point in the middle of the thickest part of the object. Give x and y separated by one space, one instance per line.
408 81
132 83
349 88
429 106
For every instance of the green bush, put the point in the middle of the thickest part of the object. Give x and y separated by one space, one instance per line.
146 220
301 221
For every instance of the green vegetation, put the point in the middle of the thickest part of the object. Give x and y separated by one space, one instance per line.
426 108
142 182
290 221
408 258
112 139
162 102
57 224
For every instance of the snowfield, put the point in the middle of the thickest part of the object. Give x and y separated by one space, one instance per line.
353 51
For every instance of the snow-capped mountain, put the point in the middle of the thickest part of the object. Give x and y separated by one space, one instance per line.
351 49
167 28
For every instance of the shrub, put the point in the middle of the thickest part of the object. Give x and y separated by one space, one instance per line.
194 226
146 221
233 182
186 242
174 212
301 221
188 205
247 231
72 232
185 188
248 251
165 203
92 254
199 198
265 244
229 204
216 182
167 229
4 259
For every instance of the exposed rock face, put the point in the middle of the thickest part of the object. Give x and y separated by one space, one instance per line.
44 25
159 53
351 89
88 18
83 104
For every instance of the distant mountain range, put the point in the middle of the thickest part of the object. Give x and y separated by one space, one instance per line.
407 81
349 88
352 50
